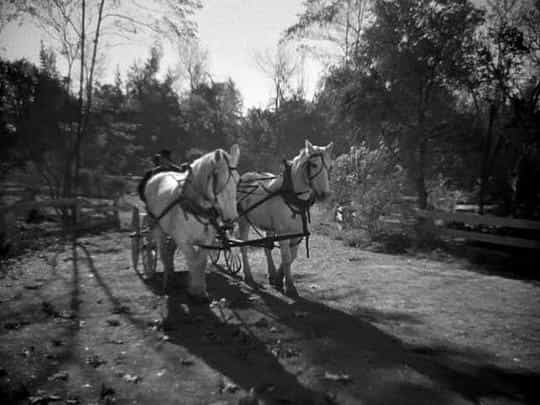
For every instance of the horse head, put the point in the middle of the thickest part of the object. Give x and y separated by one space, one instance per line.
313 167
220 178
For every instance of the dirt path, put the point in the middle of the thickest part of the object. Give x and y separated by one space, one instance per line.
369 329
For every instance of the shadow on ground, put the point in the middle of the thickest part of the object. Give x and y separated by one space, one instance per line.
382 369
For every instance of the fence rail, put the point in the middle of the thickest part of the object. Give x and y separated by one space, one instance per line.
442 219
8 213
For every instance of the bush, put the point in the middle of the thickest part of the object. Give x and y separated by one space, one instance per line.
371 183
441 196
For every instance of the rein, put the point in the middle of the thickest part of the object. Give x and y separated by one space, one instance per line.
297 205
205 216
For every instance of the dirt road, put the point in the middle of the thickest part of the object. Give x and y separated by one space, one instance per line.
369 329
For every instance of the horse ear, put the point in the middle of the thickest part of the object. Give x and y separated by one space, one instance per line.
329 148
309 147
235 154
217 155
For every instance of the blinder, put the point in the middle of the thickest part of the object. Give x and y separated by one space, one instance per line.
215 179
309 165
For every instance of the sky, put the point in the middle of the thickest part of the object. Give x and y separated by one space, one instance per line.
231 30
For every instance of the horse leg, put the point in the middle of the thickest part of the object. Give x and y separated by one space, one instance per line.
275 278
166 251
243 233
157 237
196 260
288 254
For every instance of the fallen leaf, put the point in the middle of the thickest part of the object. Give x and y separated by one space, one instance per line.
115 341
122 309
105 391
113 322
230 387
61 375
43 399
95 361
337 377
131 378
48 309
261 323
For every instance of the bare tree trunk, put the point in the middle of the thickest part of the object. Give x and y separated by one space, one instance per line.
89 88
347 29
485 166
420 174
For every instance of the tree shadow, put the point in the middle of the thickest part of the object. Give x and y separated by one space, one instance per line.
360 349
231 347
27 369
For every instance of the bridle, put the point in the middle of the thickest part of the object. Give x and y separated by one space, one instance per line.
200 213
308 166
230 174
214 178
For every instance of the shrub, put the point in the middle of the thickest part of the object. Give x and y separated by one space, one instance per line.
370 181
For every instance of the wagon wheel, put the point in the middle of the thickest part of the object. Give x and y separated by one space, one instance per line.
149 257
233 261
148 249
135 237
214 255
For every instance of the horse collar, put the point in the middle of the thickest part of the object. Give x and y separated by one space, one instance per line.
289 194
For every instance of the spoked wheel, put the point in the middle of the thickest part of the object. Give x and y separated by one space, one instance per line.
233 262
214 255
149 258
136 237
148 249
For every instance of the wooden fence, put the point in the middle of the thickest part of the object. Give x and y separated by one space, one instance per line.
111 210
485 228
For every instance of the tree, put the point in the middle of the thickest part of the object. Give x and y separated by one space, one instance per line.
153 107
193 65
338 23
78 28
279 67
505 88
405 75
211 115
36 114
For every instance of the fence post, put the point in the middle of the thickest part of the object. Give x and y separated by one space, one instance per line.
116 213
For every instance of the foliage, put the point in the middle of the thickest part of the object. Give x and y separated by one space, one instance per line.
370 181
338 23
37 115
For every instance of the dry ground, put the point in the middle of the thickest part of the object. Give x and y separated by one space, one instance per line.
83 327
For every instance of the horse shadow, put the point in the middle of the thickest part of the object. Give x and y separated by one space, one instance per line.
362 349
231 347
330 339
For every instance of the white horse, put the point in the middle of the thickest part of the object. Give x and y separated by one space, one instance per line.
265 203
187 205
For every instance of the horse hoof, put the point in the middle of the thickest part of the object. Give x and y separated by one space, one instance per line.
199 299
291 292
249 281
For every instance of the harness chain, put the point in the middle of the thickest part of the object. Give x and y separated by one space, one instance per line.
297 205
188 205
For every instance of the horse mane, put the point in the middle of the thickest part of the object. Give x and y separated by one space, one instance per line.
299 158
203 169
